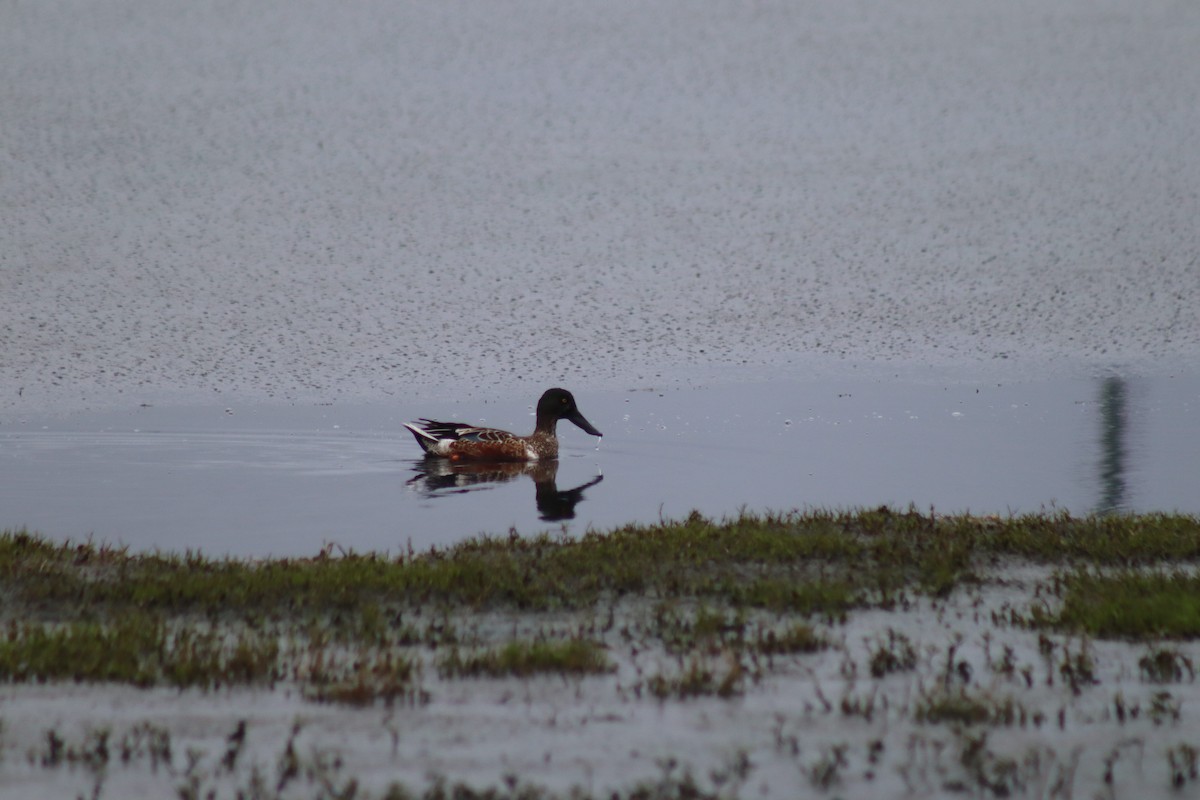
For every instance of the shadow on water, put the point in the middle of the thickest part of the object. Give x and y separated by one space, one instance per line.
439 477
1114 427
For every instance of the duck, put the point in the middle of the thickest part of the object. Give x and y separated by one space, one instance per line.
459 441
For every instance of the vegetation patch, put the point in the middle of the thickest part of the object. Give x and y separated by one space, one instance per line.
137 649
1126 604
522 659
349 627
364 677
962 707
799 637
812 563
700 676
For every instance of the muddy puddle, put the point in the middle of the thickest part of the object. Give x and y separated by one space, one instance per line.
264 480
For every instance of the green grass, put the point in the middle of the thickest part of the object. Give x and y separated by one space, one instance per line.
344 626
799 637
523 659
944 707
816 562
1126 604
361 678
136 649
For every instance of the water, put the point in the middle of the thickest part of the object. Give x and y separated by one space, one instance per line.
265 480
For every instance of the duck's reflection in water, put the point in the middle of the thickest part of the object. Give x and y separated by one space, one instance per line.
439 477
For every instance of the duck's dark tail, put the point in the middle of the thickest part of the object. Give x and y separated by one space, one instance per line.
423 437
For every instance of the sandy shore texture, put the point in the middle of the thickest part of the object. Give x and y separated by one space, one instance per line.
311 201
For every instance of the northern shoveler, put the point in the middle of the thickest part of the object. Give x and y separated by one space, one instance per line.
458 440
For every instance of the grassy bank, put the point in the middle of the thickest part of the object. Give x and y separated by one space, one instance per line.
344 625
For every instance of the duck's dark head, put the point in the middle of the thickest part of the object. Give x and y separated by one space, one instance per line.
559 404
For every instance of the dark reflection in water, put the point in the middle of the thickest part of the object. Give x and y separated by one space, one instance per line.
438 477
1114 424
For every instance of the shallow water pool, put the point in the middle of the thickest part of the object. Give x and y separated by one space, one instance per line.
289 480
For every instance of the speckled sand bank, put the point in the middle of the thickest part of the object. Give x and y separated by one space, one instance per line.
320 201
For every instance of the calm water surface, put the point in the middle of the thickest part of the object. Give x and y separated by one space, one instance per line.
287 481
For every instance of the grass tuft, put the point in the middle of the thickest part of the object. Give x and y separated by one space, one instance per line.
138 650
1126 604
523 659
